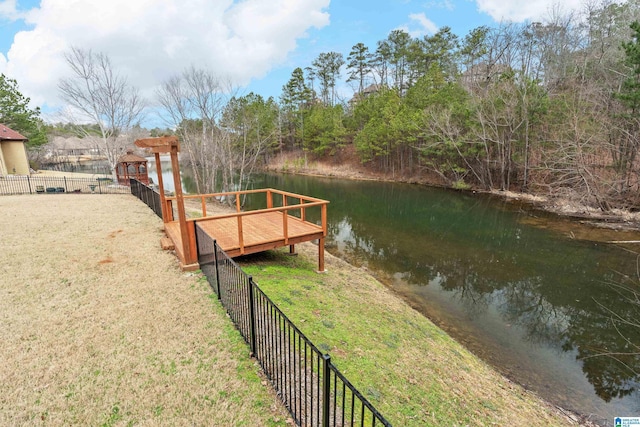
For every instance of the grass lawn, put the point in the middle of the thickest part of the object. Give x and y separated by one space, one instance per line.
408 368
101 328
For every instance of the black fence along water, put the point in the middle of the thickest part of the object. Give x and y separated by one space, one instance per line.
311 387
27 184
148 195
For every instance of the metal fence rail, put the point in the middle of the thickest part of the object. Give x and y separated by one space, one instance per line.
147 194
311 387
26 184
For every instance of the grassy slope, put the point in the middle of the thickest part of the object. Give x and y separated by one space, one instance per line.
411 371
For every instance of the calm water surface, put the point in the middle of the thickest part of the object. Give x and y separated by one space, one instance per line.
532 294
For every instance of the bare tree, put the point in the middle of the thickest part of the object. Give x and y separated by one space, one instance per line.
96 93
193 104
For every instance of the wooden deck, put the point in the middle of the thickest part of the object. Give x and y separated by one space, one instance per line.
243 233
260 232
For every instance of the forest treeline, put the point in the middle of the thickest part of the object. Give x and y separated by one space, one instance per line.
550 107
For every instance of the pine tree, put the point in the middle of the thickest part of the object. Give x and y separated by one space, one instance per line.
16 114
630 91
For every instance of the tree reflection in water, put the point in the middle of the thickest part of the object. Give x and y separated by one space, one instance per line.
485 255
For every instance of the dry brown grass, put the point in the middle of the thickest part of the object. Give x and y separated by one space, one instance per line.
100 327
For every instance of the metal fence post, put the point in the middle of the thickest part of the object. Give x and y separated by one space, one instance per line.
215 257
29 182
252 319
66 190
326 390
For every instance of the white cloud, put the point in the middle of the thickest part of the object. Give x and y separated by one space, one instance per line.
8 10
440 4
427 25
418 26
519 11
150 40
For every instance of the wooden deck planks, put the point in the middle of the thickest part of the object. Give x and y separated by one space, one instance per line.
173 232
260 232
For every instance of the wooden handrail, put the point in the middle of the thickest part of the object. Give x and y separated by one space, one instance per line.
267 191
303 203
302 206
259 211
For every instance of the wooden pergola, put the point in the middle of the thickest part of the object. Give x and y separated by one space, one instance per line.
240 232
132 166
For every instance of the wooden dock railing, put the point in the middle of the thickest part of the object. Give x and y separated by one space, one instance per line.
257 230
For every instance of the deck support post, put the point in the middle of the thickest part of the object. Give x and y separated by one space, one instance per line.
163 200
189 257
321 255
292 249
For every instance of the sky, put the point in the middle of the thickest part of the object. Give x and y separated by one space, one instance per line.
256 44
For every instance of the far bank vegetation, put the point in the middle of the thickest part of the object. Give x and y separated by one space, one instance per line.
551 108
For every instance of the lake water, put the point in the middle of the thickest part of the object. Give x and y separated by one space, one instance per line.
531 293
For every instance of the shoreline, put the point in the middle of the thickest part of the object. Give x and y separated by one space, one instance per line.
589 218
349 270
617 219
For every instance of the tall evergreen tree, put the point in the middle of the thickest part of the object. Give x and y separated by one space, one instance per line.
630 92
327 69
296 93
442 48
628 144
398 42
296 97
359 65
17 115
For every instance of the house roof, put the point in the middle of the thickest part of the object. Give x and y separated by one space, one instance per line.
73 143
7 134
372 88
131 158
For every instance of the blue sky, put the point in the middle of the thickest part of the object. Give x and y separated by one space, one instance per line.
368 22
255 43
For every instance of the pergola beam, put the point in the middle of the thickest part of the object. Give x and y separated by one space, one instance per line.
171 145
161 141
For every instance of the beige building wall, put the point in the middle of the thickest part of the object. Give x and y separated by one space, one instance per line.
15 160
3 166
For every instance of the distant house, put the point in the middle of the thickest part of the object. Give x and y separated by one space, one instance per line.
13 152
366 92
74 148
480 75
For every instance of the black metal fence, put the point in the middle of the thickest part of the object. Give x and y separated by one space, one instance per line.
311 387
147 194
26 184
